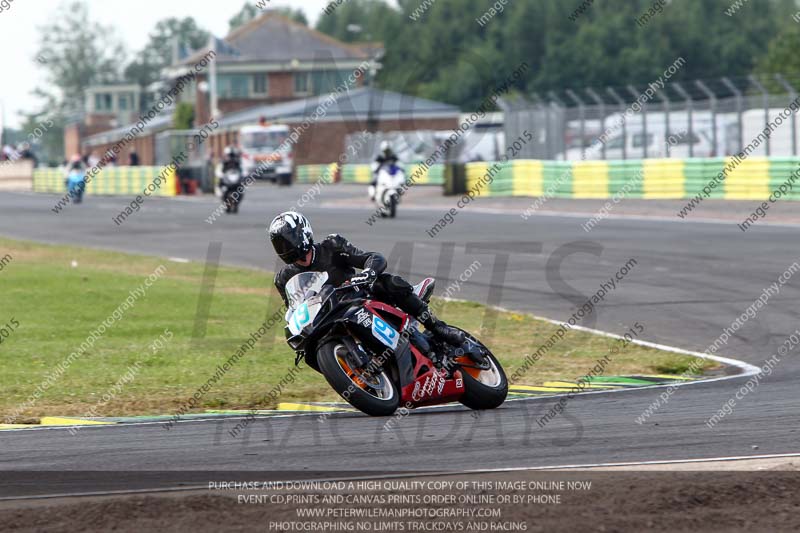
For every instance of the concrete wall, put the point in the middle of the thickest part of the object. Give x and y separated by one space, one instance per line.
145 146
17 176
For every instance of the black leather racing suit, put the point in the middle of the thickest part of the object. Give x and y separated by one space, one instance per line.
340 259
232 163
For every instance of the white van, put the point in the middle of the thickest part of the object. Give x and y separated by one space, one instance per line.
780 140
267 148
656 140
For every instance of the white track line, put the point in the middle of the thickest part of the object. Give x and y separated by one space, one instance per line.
634 463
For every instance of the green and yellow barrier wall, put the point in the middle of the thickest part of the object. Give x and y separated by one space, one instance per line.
752 179
363 173
314 173
110 180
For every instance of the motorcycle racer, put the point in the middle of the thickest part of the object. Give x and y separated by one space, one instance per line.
293 239
385 157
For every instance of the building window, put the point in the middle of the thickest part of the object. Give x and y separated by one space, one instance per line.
260 84
301 82
233 85
327 81
103 102
123 102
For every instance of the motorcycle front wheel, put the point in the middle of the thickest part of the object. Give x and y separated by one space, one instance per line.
372 394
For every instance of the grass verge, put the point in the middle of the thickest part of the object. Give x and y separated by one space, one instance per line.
55 296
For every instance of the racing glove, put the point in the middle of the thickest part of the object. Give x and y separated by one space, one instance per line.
369 276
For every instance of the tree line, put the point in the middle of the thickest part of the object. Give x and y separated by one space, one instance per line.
456 51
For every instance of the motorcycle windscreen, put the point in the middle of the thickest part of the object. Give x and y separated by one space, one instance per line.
303 286
304 314
302 292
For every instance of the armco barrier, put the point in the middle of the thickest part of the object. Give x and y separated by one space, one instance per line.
111 180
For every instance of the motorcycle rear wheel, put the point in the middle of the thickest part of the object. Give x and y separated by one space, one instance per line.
484 389
372 395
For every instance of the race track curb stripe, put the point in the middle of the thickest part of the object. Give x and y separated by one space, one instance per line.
568 385
61 421
528 388
549 388
288 406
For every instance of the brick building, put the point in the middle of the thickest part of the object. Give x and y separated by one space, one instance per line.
363 109
277 70
273 59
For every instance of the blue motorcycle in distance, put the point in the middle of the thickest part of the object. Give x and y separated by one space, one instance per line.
76 183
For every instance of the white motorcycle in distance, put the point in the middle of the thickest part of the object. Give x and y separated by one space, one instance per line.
228 189
386 192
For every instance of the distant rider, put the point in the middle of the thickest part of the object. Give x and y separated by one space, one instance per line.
75 179
231 161
386 157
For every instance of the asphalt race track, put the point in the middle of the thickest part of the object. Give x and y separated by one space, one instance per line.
690 282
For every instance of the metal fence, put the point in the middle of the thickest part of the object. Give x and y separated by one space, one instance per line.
701 118
410 146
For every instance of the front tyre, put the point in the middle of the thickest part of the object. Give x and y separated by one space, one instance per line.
374 395
484 388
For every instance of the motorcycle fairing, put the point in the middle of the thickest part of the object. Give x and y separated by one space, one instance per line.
431 384
427 384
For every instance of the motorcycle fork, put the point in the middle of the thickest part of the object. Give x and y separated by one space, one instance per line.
362 357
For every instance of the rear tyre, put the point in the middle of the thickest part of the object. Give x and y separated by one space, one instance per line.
484 389
285 180
373 395
392 207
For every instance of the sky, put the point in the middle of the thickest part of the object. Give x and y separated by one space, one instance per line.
132 21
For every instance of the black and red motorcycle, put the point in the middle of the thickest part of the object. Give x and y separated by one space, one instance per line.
375 356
